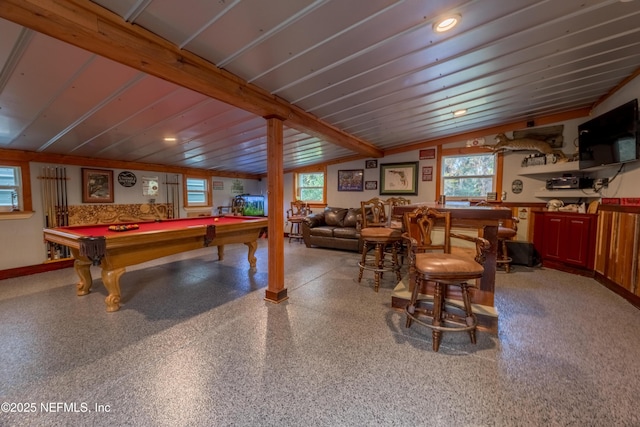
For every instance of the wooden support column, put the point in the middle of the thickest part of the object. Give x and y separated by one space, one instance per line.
276 292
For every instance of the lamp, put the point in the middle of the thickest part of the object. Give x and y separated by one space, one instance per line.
446 23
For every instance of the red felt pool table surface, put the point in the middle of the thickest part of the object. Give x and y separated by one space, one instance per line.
160 226
149 241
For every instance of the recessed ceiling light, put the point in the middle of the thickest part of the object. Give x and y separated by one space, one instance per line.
170 139
446 23
459 113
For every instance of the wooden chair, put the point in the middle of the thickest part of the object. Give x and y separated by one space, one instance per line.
224 209
377 234
431 262
295 215
237 205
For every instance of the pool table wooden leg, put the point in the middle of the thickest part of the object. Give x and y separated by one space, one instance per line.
111 280
220 252
253 246
83 270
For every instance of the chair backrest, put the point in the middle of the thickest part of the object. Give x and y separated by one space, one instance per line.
375 213
237 205
397 219
299 208
419 225
398 201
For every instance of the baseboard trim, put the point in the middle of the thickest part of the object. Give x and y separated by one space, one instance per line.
624 293
34 269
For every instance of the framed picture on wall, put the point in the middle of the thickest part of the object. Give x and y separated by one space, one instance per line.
371 185
399 178
351 180
427 173
371 164
97 186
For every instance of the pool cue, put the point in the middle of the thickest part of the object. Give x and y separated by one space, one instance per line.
53 220
43 194
176 195
58 200
65 206
65 200
50 208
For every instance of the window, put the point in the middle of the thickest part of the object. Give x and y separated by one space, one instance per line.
311 187
469 173
197 192
10 188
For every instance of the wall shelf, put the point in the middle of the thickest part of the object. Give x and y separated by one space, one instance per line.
585 193
553 169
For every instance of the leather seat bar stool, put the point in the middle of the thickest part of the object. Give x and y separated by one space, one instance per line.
295 215
397 222
433 264
505 233
377 235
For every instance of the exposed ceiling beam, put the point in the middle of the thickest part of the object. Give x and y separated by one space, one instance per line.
89 26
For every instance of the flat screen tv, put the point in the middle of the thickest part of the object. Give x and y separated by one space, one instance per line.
610 138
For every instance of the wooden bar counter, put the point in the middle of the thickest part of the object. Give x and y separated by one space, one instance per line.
485 219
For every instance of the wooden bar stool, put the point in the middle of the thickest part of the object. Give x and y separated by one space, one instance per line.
377 234
295 215
433 263
397 222
506 231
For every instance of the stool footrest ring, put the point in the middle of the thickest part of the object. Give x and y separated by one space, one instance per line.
463 323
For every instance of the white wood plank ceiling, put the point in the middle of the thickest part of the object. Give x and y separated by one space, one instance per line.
374 69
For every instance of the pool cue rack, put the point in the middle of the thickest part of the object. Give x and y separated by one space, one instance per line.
172 196
55 208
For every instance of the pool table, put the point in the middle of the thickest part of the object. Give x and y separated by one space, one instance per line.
114 250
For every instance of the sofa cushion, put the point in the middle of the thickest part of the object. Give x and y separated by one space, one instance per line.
345 232
323 231
334 216
351 218
315 220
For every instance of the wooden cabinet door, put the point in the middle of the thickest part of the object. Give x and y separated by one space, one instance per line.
565 238
552 247
576 240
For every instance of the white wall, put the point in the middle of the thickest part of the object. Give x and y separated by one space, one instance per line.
426 189
225 196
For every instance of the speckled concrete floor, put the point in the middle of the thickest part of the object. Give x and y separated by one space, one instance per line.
195 344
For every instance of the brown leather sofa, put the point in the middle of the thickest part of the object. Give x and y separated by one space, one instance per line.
335 228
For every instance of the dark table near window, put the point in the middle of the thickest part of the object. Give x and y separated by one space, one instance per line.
485 219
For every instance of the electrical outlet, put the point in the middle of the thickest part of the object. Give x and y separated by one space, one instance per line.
601 182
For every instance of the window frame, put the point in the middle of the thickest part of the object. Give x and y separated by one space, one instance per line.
25 203
461 151
208 192
296 189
